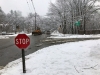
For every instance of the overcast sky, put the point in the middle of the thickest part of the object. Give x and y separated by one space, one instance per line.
21 5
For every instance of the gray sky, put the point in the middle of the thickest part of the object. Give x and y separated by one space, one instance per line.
21 5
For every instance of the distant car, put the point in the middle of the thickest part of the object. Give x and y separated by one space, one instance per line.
3 33
48 32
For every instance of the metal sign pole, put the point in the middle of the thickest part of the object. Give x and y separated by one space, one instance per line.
23 61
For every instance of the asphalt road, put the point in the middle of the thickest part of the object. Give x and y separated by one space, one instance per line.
9 52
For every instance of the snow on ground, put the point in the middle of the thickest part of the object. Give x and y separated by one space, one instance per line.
58 35
7 36
4 37
77 58
17 34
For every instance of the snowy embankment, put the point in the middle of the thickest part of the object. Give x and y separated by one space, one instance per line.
57 35
77 58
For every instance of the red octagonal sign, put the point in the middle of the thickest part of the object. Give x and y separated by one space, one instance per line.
22 41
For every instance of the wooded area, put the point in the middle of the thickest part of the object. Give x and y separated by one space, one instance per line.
74 17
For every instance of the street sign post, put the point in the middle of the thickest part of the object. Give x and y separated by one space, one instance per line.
22 41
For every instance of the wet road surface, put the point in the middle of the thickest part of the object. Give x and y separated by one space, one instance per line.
10 52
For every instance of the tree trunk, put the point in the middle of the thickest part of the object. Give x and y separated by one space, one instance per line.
84 22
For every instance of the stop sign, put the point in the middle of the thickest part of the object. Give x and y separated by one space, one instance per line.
22 41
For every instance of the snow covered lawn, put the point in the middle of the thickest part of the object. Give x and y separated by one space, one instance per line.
77 58
7 36
57 35
17 34
73 36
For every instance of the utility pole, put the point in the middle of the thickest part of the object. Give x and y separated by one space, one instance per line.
35 13
35 21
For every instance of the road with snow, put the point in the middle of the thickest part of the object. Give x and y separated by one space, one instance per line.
9 52
76 58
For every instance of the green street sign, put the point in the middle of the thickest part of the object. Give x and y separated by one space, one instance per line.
78 23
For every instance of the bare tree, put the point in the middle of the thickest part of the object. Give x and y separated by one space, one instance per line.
2 19
15 21
67 12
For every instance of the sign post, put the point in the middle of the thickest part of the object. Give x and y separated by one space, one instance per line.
23 60
22 41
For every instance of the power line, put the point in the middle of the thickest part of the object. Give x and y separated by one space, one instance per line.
33 6
35 13
28 5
